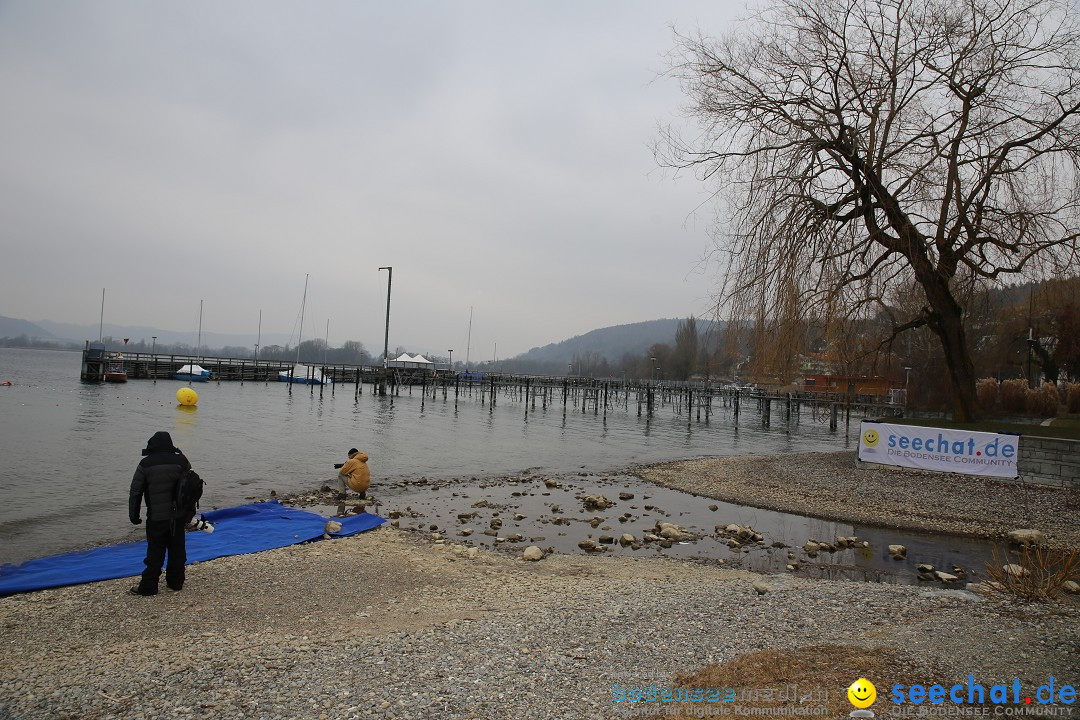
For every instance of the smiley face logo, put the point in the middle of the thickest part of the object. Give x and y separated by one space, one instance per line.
862 692
870 438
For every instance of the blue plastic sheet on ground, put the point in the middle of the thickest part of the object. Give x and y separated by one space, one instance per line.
237 531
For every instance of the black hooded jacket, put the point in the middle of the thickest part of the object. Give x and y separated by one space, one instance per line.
155 479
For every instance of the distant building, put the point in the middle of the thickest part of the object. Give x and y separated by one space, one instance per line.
858 384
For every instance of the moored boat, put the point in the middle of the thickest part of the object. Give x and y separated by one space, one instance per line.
304 374
115 372
195 373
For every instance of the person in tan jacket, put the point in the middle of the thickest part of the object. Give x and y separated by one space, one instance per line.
354 474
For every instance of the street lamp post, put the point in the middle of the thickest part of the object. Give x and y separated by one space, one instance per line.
386 337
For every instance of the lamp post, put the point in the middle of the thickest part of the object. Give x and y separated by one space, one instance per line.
386 337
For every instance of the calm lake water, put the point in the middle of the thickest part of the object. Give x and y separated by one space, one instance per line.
69 448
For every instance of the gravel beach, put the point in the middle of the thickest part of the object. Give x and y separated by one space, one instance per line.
833 486
387 624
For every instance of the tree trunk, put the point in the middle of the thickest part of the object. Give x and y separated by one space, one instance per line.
947 322
961 371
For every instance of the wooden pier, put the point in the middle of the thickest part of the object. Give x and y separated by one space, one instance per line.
151 366
698 401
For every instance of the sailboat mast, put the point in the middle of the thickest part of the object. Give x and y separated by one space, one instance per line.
300 335
468 345
198 349
101 322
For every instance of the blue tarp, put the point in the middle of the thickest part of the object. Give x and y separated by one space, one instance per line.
237 531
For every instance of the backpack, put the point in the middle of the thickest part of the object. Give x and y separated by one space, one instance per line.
186 495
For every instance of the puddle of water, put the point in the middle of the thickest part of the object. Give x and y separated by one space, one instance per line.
509 514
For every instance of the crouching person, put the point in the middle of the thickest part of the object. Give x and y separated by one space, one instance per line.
354 475
155 482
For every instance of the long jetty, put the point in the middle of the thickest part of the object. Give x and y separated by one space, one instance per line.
697 400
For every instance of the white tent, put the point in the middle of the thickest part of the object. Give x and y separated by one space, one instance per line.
405 360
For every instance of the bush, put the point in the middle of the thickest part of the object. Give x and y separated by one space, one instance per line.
1038 574
1043 401
1073 401
987 391
1014 395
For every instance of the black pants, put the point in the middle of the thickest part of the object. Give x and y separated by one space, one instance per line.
163 537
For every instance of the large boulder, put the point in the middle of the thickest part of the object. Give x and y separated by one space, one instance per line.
673 532
596 502
533 553
1025 537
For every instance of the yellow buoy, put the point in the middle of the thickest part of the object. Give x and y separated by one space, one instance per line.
187 396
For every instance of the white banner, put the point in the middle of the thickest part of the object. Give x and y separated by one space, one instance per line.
957 451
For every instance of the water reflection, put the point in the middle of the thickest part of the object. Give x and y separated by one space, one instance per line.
91 407
184 426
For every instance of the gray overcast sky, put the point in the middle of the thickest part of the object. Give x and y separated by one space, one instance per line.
496 154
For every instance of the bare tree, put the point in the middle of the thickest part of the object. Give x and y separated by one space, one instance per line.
867 146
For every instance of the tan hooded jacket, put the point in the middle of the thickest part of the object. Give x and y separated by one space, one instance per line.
357 471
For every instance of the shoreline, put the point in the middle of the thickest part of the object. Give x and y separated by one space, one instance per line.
831 486
390 624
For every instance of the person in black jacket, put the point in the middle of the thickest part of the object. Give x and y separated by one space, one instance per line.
155 480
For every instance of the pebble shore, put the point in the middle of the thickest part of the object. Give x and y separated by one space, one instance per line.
388 625
835 487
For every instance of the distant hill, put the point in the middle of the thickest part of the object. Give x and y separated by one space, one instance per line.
610 342
81 333
13 327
